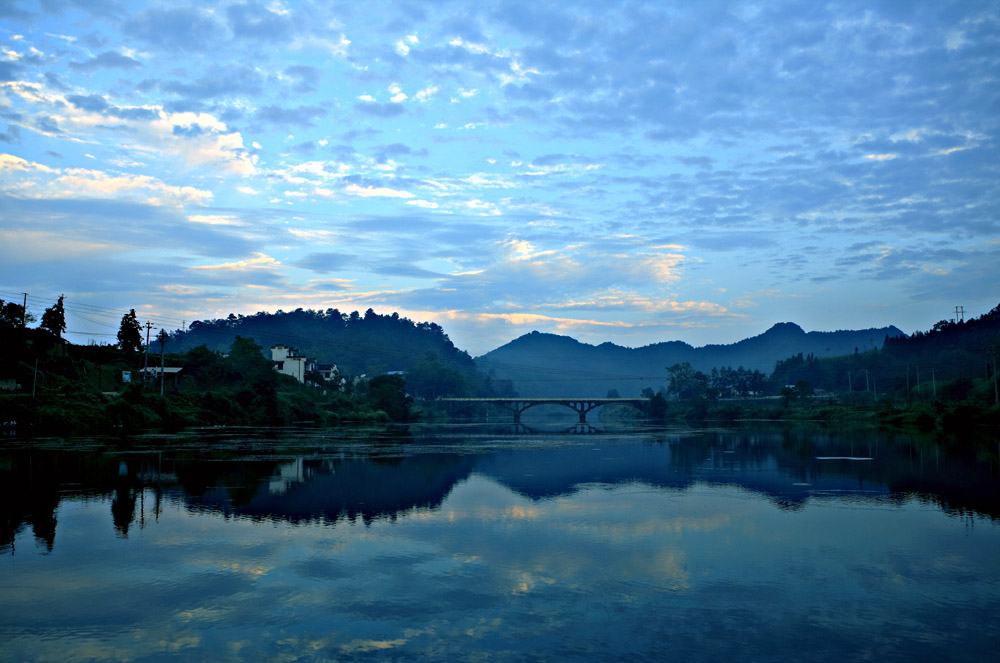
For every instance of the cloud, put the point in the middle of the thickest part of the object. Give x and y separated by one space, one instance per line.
176 29
259 23
301 116
375 192
11 162
90 102
261 261
307 77
132 226
92 182
376 109
326 263
12 135
61 182
219 81
106 60
10 71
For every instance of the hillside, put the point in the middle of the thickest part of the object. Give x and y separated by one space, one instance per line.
556 366
944 361
358 344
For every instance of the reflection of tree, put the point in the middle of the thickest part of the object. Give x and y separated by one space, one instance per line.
123 508
331 489
389 472
29 495
34 482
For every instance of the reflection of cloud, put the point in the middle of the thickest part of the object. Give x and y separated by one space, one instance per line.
357 646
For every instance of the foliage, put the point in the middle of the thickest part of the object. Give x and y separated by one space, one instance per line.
685 382
388 394
352 341
953 361
13 314
370 344
657 408
430 379
130 333
54 318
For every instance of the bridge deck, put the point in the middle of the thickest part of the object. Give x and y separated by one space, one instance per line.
602 401
581 405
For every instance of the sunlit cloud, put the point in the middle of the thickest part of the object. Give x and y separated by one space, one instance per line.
260 262
375 192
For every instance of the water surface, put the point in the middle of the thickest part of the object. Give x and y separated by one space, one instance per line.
470 543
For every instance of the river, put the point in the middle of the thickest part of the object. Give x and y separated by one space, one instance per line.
470 542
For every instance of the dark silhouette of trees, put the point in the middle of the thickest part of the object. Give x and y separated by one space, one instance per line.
54 318
130 333
13 314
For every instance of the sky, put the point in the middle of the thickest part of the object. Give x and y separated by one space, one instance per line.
632 172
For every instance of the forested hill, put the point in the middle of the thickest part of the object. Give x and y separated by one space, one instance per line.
548 365
371 343
946 360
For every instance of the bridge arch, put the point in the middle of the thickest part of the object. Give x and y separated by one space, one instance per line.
582 406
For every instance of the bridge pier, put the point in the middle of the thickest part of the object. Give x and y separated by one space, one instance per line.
582 408
515 407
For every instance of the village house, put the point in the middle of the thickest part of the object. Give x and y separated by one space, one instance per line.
171 376
290 361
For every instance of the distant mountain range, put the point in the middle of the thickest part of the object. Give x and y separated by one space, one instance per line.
549 365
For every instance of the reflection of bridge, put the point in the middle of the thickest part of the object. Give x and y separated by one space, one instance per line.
518 405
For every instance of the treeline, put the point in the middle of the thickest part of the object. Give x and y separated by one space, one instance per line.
371 343
50 386
943 377
952 361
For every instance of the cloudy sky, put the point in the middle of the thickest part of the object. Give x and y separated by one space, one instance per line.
633 172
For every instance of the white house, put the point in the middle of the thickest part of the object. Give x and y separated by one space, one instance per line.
288 361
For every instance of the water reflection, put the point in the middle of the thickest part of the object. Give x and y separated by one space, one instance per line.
445 543
387 473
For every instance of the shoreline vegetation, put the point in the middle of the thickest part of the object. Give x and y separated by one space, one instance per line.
51 387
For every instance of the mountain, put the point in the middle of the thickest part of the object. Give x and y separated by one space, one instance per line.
549 365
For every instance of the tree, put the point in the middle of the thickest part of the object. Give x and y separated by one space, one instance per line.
13 315
130 333
54 318
685 382
429 378
657 408
388 393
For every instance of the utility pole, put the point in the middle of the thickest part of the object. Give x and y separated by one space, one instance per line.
145 366
163 343
959 314
24 311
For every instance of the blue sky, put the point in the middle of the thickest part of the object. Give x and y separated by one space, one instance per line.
633 172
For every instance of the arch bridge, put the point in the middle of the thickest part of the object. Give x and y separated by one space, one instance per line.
518 405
